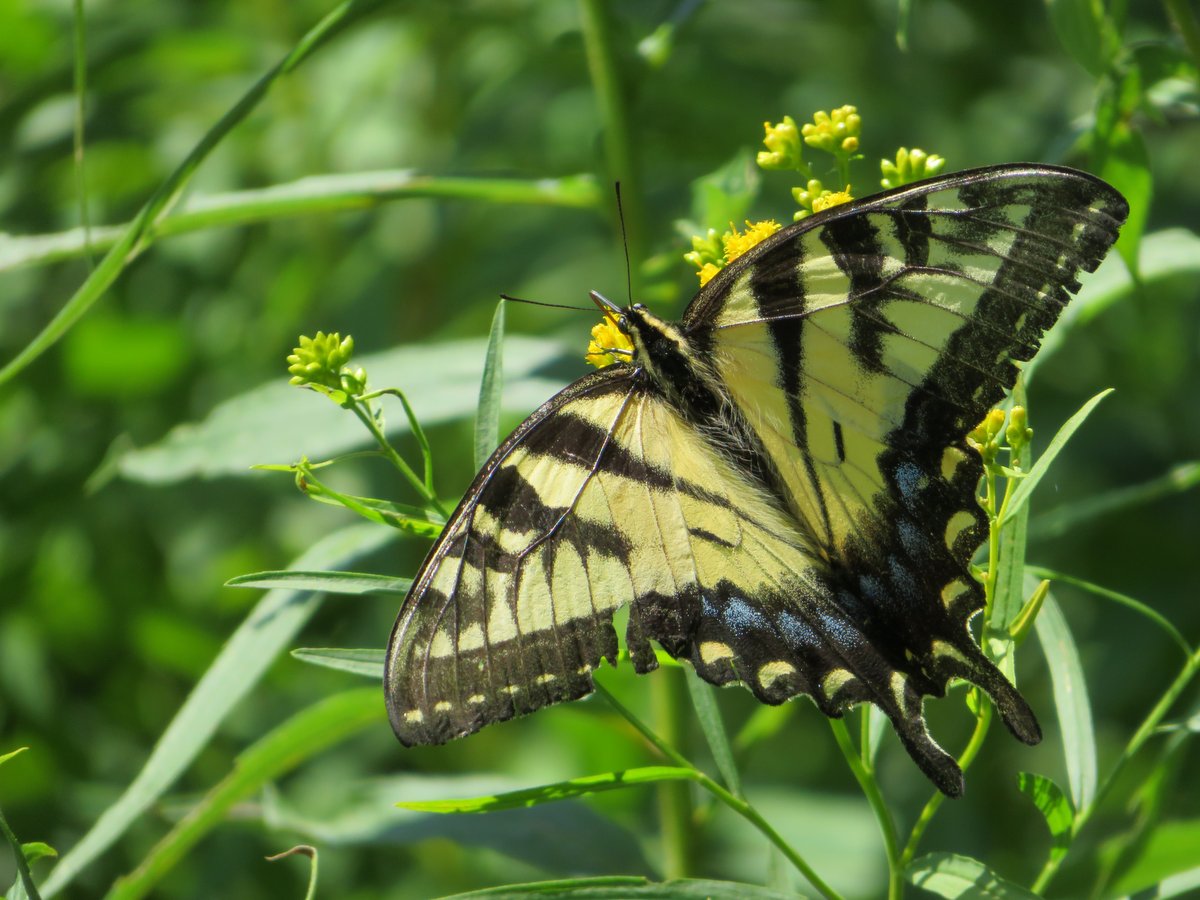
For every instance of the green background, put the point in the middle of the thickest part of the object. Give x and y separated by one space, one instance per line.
117 533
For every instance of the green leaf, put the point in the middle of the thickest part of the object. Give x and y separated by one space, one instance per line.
355 583
726 194
302 736
1123 599
314 194
551 793
1126 166
1020 496
1070 701
620 887
270 626
545 837
367 661
491 386
139 234
1086 33
276 422
1165 865
1054 807
951 875
23 854
712 725
7 756
1010 577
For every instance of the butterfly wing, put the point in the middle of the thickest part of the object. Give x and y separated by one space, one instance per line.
863 344
605 498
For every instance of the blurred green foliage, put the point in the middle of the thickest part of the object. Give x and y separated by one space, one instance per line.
111 597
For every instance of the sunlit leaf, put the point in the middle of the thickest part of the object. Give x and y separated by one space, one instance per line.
367 661
954 876
329 582
491 388
1054 807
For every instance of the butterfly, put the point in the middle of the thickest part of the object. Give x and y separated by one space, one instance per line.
778 486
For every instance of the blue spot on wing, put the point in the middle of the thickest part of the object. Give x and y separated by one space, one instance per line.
742 618
908 479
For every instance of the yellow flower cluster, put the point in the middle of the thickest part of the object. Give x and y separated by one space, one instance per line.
835 132
783 146
708 260
607 338
814 197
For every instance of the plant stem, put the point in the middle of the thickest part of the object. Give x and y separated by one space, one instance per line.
1147 728
614 112
364 416
675 808
982 723
866 780
741 807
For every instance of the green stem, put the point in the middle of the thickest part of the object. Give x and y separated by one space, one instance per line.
741 807
675 808
605 73
365 416
80 90
23 873
1147 728
870 787
982 723
313 195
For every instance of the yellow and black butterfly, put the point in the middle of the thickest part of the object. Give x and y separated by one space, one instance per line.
778 486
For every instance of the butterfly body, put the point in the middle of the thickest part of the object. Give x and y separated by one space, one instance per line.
778 486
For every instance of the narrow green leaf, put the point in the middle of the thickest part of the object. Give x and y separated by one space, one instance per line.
1070 700
1086 33
1025 488
1061 519
620 887
302 736
1054 807
1165 863
903 22
7 756
1124 599
1009 597
139 234
708 714
356 583
270 626
23 887
275 422
550 793
491 386
311 195
1183 884
954 876
367 661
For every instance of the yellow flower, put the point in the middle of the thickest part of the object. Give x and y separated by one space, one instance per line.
606 338
707 272
835 132
783 146
831 198
737 243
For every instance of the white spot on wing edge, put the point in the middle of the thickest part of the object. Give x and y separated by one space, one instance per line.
414 716
769 673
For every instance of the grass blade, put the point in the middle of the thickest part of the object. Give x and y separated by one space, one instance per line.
624 887
139 234
1024 489
1071 702
487 415
551 793
355 583
366 661
708 715
269 627
305 734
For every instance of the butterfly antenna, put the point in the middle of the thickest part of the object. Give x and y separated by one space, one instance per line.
543 303
624 243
